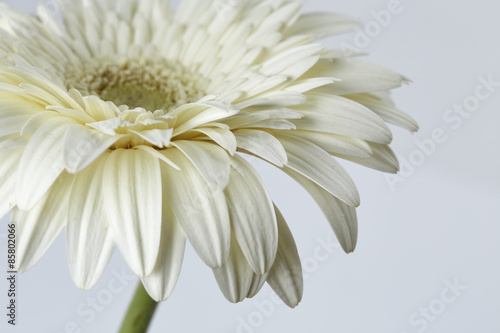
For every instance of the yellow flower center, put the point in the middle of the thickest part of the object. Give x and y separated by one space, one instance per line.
152 85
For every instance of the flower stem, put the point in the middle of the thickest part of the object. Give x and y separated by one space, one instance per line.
140 312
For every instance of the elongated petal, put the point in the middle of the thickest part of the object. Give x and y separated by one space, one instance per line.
357 76
41 163
157 137
382 159
39 227
13 142
322 24
14 113
342 217
262 144
195 115
258 282
386 110
132 195
339 115
200 210
8 171
222 137
286 275
334 143
235 276
252 216
89 243
157 154
82 146
281 62
315 164
211 161
161 282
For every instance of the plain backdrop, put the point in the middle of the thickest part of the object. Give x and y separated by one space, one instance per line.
421 235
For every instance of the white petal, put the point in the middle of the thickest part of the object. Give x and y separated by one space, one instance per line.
279 124
194 115
386 111
253 220
258 282
322 24
161 282
274 99
306 85
13 142
157 137
281 62
82 146
235 276
157 154
339 115
201 211
342 217
132 195
262 144
38 228
357 76
286 275
314 163
382 159
338 144
42 162
268 84
211 161
101 111
89 243
8 171
223 137
281 113
107 126
14 114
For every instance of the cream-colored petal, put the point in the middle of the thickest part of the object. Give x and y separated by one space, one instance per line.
382 158
253 220
235 276
211 161
338 144
8 170
258 282
14 113
285 276
322 24
13 142
194 115
223 137
81 146
89 243
37 228
358 76
339 115
314 163
42 162
263 145
200 210
386 110
132 195
161 282
342 217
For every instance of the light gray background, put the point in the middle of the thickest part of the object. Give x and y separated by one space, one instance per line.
440 224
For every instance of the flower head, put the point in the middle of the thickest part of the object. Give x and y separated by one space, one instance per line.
124 124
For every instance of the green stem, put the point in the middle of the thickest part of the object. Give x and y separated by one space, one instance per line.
140 312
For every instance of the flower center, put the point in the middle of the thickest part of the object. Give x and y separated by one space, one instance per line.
152 85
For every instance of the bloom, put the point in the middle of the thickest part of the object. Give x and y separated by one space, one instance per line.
125 125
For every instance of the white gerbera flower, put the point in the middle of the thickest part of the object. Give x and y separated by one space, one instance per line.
124 124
